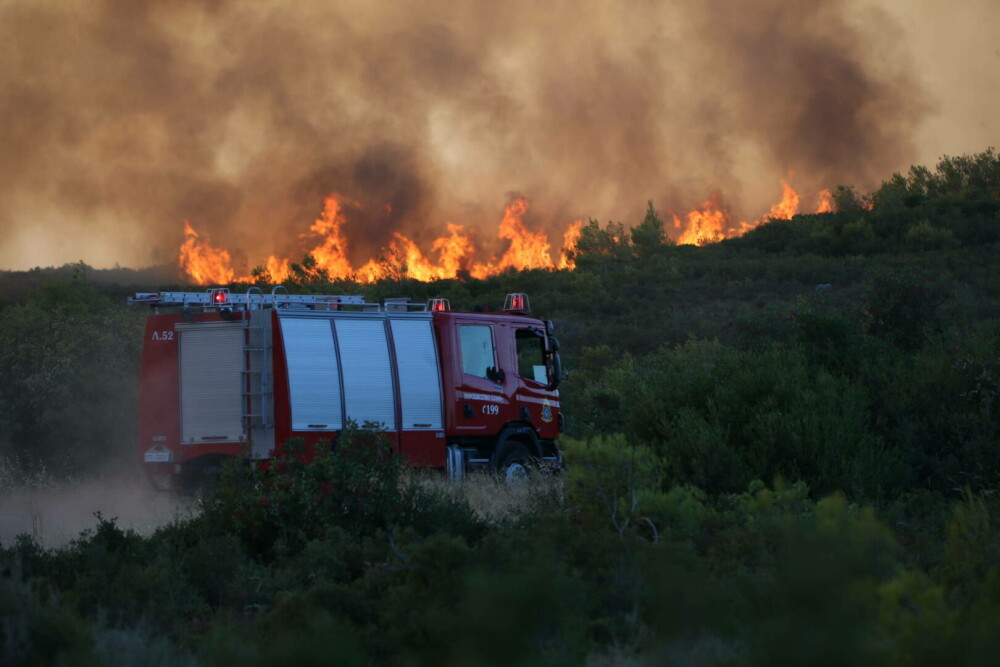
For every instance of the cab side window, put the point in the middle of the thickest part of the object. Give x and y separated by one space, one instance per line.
478 356
531 355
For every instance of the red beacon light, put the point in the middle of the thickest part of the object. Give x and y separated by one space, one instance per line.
517 303
438 304
220 295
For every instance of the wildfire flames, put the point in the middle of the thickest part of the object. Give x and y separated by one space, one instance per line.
201 262
711 220
455 251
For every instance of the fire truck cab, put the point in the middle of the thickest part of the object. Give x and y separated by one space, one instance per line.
226 374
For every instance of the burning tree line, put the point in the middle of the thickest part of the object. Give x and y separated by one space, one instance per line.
455 251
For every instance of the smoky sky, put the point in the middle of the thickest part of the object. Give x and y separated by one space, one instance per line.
123 118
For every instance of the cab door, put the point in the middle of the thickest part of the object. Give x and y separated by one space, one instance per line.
481 404
536 403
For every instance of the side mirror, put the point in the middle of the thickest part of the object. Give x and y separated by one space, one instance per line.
555 371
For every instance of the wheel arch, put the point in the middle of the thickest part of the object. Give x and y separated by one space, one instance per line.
518 432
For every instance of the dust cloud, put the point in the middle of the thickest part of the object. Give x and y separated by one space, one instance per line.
56 512
123 118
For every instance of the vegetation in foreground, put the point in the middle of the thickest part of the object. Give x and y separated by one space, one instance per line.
781 448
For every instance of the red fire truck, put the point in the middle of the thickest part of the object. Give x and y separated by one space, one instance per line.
225 374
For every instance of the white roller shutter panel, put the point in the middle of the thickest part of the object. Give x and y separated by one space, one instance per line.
313 376
419 381
211 365
364 354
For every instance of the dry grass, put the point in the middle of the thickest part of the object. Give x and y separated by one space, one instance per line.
55 512
491 499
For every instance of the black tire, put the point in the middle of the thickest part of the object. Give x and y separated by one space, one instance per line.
513 462
201 477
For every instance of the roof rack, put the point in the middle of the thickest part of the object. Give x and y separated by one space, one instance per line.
220 298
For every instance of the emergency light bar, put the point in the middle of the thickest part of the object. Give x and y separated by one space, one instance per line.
437 304
517 303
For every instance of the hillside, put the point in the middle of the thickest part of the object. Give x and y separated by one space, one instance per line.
779 446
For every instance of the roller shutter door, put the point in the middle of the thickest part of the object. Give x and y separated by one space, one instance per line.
367 373
419 380
313 374
211 372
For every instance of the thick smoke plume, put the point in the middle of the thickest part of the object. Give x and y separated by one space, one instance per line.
123 118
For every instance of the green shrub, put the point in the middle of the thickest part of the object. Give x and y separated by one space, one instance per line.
829 332
70 369
924 236
606 479
35 631
914 613
857 238
683 513
938 407
900 307
306 494
971 564
825 589
719 418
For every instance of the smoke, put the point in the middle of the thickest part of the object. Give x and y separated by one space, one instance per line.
123 118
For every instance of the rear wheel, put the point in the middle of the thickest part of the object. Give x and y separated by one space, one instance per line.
201 477
513 462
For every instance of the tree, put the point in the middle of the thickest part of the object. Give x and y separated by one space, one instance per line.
308 272
612 241
846 200
648 236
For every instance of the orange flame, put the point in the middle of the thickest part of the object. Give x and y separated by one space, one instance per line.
203 263
527 250
825 204
707 223
570 237
711 220
405 257
278 269
454 252
331 253
789 204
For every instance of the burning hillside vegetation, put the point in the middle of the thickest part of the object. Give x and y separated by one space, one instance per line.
455 253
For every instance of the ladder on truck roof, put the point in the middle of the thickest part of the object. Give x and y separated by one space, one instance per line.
220 298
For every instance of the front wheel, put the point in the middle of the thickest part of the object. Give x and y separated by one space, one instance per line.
513 461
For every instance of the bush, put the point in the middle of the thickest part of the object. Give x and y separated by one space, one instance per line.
900 307
70 369
830 333
607 479
719 418
33 631
924 236
308 494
